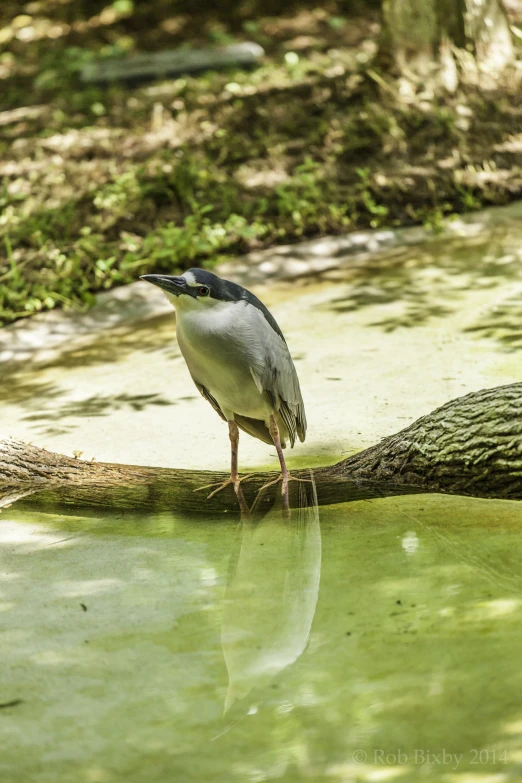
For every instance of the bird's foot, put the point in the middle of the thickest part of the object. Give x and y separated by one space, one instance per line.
284 479
235 480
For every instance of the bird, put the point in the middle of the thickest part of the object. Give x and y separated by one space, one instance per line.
239 361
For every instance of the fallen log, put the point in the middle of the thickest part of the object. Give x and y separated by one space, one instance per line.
470 446
169 63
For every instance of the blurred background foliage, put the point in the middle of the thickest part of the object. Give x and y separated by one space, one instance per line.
101 184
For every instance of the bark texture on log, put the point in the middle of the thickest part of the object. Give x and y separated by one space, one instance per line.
470 446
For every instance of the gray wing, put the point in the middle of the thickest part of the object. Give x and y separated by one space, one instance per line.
209 398
274 373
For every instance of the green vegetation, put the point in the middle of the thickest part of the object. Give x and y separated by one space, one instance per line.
98 186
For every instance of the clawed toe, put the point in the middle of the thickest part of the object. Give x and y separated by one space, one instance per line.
235 481
219 488
206 486
270 483
284 482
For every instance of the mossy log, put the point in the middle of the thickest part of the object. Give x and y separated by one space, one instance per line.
470 446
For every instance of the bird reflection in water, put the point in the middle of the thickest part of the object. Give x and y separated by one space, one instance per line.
271 594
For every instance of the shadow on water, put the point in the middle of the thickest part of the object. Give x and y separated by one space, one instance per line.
18 383
98 405
41 399
50 416
114 345
431 282
27 392
198 650
502 323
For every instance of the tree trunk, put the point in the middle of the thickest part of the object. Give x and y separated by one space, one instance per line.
470 446
433 43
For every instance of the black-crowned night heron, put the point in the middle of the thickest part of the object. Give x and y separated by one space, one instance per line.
239 360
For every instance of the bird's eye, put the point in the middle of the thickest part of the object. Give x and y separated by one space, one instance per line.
203 290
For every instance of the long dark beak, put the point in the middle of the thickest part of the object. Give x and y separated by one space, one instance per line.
170 284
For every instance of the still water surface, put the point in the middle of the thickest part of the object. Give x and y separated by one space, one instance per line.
377 640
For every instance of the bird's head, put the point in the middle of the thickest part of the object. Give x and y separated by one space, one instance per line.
196 289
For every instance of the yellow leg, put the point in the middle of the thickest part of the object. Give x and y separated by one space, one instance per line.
285 476
234 479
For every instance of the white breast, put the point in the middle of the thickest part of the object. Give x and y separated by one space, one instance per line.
219 353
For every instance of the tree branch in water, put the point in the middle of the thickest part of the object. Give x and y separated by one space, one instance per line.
470 446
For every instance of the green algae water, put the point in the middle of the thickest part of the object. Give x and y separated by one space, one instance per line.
373 641
378 640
